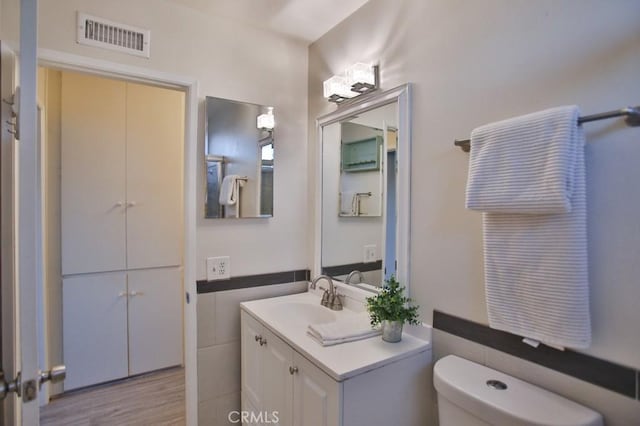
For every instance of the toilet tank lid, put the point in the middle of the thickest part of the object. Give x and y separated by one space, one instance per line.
464 383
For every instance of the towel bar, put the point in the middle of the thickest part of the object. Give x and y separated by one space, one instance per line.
632 115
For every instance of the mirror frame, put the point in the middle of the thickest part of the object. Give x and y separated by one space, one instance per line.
401 95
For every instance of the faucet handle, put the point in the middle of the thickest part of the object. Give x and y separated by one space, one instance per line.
325 298
335 303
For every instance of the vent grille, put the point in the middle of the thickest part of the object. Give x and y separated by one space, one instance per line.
100 32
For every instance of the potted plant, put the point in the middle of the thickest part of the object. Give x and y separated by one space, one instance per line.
392 309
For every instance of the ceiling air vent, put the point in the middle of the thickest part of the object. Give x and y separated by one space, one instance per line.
99 32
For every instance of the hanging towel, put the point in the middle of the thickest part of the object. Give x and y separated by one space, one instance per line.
347 200
524 164
536 277
230 190
356 327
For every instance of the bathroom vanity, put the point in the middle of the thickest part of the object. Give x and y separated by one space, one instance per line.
289 377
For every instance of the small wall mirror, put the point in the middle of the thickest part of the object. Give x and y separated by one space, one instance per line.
239 157
365 166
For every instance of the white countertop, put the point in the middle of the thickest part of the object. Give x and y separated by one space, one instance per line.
341 361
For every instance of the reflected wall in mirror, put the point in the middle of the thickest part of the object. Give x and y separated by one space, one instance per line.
359 196
239 159
361 170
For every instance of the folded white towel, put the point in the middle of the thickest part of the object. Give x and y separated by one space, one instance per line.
230 190
523 164
536 277
355 327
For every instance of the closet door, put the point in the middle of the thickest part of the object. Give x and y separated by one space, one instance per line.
94 328
93 174
155 143
155 319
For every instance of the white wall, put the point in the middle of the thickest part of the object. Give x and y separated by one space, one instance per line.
473 62
233 61
10 22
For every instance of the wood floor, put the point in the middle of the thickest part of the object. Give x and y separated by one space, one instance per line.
151 399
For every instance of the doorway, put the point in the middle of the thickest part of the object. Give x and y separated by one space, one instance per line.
54 276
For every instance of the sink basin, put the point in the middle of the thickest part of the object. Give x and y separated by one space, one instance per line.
304 313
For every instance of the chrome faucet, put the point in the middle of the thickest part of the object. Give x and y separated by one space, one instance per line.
351 274
330 298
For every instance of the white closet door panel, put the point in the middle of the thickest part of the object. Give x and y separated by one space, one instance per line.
155 144
94 321
93 174
155 319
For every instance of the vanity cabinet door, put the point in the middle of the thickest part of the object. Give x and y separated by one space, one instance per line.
278 379
316 396
251 361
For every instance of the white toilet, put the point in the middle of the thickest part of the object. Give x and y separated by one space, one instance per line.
471 394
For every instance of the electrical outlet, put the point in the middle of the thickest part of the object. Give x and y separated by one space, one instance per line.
370 253
218 268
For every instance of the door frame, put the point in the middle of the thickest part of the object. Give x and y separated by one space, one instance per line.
70 62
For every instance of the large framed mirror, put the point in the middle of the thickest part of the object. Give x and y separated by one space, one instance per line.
362 229
239 159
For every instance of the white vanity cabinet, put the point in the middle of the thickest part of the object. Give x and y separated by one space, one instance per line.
363 383
276 380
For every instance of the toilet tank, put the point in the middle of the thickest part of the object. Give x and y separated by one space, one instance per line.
471 394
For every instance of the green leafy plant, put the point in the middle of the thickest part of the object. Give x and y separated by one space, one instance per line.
391 305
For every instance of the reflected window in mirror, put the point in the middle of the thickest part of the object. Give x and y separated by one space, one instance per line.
266 178
239 159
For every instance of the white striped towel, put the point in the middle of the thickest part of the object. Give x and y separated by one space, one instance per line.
536 276
354 327
523 164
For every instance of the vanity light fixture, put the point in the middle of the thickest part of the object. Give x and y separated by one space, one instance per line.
266 121
357 80
362 77
337 89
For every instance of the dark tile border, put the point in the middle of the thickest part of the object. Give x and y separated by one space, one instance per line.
333 271
247 281
597 371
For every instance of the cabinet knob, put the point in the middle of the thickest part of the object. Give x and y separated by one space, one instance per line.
119 204
293 370
131 204
134 293
122 294
258 338
263 341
